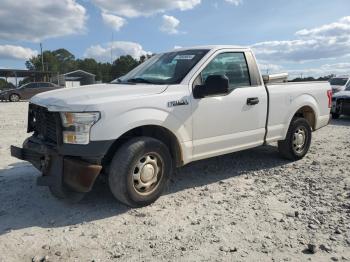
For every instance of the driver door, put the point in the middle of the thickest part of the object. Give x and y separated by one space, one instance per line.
229 122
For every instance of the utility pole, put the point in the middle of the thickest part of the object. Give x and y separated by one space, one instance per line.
42 57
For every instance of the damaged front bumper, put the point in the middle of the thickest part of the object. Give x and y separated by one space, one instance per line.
60 169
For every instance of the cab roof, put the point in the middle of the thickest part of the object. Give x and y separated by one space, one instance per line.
214 47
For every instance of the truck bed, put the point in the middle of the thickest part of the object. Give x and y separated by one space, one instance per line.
286 98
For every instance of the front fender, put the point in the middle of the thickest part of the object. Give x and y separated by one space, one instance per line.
111 128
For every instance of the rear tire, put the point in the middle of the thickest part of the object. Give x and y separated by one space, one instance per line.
139 171
14 98
298 140
335 115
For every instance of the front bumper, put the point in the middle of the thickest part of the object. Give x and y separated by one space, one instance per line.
58 169
3 97
341 105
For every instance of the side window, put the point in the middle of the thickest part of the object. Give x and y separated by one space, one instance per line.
32 85
232 65
44 85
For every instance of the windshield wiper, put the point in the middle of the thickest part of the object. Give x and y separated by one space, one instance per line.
139 80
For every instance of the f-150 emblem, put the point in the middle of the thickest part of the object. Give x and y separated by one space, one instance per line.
182 102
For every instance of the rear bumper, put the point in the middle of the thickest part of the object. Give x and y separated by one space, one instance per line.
57 169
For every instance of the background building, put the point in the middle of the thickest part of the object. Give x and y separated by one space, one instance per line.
74 79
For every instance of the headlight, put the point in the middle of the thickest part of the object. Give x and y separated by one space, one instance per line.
76 127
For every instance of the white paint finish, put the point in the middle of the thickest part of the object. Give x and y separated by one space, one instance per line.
239 123
123 115
322 121
204 128
287 99
94 97
229 143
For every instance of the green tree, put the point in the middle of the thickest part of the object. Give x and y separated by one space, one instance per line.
58 61
123 65
62 61
5 85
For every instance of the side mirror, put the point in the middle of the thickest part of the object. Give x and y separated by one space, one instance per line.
214 85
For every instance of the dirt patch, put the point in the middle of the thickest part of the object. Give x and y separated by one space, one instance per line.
245 206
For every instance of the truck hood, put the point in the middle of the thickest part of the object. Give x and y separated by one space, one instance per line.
81 98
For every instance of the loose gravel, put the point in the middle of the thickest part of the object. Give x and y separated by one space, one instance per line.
246 206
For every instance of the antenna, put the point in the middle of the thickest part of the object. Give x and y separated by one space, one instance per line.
112 44
42 57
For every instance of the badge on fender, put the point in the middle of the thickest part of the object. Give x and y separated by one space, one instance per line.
182 102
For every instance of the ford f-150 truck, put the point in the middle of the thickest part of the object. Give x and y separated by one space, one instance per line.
175 108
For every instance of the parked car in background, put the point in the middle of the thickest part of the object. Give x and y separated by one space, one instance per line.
27 91
339 83
341 103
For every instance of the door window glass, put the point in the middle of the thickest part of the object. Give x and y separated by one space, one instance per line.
32 85
43 85
232 65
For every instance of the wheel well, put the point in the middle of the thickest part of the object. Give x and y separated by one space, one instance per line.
307 113
157 132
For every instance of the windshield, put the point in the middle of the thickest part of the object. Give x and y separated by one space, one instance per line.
167 68
338 81
348 87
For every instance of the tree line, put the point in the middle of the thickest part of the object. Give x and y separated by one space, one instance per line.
61 61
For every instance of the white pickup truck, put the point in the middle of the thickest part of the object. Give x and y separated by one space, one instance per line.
175 108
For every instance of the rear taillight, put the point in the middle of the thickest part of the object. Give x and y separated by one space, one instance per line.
329 94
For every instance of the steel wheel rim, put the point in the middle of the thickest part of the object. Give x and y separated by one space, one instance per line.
299 139
147 173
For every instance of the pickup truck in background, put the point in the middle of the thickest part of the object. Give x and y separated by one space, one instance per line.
341 103
175 108
339 83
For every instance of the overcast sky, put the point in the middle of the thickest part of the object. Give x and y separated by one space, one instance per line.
309 36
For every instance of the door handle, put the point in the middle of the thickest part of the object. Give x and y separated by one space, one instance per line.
252 101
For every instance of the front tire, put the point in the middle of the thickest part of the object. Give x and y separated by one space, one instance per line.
298 140
139 171
14 98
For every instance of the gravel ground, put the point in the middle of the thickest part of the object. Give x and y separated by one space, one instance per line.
246 206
